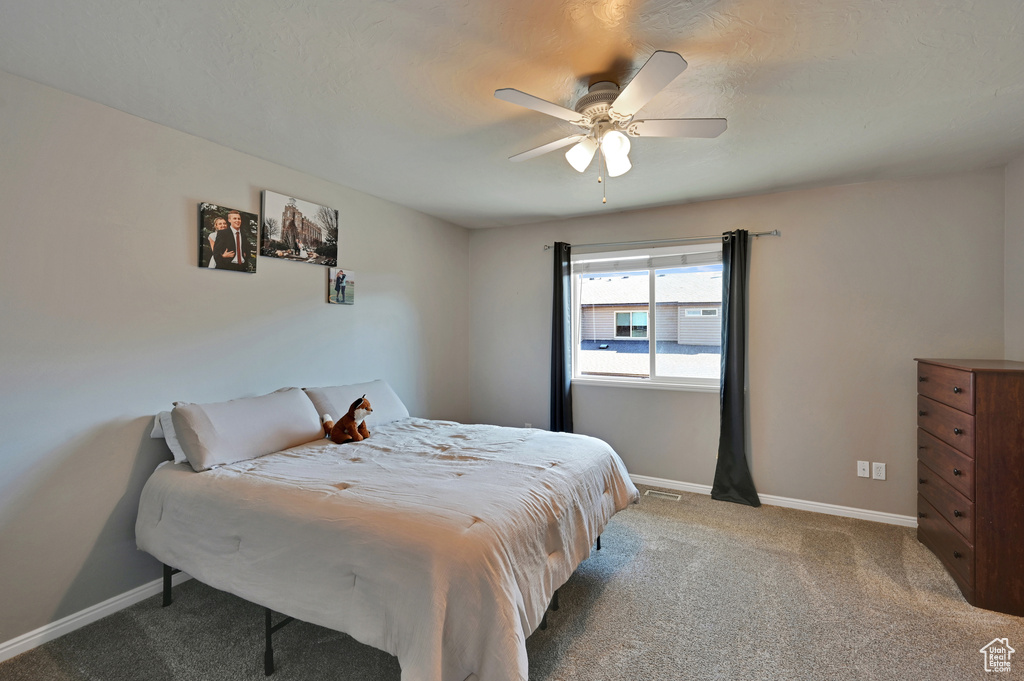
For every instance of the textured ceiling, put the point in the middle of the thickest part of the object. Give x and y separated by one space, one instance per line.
395 97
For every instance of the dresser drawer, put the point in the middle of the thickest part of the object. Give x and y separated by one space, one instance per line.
946 543
957 509
952 466
950 425
949 386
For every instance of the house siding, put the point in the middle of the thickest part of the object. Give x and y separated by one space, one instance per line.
699 330
597 323
666 321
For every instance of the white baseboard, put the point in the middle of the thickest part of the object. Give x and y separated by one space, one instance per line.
28 641
785 502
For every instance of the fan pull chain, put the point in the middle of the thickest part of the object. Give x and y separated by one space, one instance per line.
602 168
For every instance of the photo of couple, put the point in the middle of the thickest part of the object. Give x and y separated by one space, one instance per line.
341 286
227 238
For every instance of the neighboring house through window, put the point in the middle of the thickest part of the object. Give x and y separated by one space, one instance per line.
620 337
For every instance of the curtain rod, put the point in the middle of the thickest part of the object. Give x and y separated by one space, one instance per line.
774 232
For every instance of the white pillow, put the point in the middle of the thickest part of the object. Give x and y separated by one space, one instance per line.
335 400
158 429
163 427
247 428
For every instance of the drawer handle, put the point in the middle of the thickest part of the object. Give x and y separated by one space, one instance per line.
922 481
922 413
957 514
958 431
957 390
920 514
956 554
922 379
956 471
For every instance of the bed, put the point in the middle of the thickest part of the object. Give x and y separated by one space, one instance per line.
440 543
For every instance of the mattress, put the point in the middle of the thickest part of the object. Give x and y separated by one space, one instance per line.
438 542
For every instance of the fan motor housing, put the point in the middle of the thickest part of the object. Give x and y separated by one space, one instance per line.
595 104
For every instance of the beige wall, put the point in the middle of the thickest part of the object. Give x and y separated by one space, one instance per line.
106 319
1013 255
864 278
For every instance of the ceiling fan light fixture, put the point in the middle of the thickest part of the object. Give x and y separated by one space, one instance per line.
614 145
607 110
615 148
617 165
581 154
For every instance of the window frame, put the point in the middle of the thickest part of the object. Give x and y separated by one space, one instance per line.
701 312
649 261
615 324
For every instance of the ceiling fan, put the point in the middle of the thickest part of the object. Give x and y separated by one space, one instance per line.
606 114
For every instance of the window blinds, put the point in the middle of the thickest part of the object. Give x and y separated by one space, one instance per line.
629 261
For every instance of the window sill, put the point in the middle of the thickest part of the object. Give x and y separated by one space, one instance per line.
647 385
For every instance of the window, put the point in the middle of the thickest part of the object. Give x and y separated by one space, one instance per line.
620 337
631 324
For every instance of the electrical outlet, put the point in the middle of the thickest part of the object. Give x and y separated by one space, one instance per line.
862 469
878 471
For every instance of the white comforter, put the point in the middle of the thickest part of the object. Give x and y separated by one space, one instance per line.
437 542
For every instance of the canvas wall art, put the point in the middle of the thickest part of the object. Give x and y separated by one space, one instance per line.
341 286
299 230
227 238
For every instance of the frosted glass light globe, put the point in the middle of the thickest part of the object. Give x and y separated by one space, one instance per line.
614 144
581 154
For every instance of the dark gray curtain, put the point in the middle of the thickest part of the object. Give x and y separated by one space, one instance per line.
732 475
561 343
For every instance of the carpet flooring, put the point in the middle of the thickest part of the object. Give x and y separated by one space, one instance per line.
690 589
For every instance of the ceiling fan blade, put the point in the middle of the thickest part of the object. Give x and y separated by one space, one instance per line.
550 146
538 104
678 127
660 70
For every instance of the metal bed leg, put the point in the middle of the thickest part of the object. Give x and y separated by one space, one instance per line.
168 572
268 653
598 542
553 605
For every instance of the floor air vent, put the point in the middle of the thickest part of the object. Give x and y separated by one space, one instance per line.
663 495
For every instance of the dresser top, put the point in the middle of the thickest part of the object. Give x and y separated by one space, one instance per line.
976 364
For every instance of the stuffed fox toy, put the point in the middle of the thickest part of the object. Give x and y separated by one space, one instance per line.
351 427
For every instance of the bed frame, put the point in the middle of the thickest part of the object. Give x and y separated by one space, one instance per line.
270 628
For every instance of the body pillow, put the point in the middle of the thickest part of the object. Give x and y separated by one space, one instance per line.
335 400
247 428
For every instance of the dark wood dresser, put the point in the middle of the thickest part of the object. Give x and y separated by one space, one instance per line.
970 470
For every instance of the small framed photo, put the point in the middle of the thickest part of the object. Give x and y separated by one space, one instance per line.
299 230
227 238
341 286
